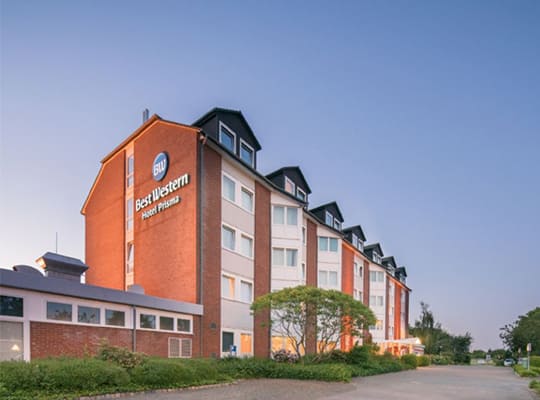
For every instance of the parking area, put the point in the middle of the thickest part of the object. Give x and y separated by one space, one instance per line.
433 383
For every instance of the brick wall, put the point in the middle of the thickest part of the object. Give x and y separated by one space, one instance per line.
311 280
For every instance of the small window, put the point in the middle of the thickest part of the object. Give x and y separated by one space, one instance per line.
227 341
183 325
292 216
278 257
372 301
174 347
380 276
380 301
247 199
304 235
372 276
130 257
246 153
323 278
332 278
246 246
245 343
11 306
292 257
360 245
246 292
279 215
333 245
185 348
130 169
88 315
228 236
303 271
166 323
147 321
115 318
355 269
361 271
227 287
354 240
323 243
229 188
337 224
301 194
329 219
59 311
129 214
289 186
227 137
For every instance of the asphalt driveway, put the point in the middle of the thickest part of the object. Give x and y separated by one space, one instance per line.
432 383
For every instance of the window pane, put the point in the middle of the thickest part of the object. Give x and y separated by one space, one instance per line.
380 300
372 276
337 224
300 194
88 315
303 271
228 188
278 257
372 301
245 343
323 278
246 154
130 165
227 287
332 278
380 276
279 215
166 323
148 321
333 244
58 311
228 237
304 235
11 306
329 219
292 257
12 341
226 138
115 318
289 185
323 243
292 216
184 325
227 340
245 291
247 199
246 245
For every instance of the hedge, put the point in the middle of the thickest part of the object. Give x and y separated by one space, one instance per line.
410 360
424 361
524 372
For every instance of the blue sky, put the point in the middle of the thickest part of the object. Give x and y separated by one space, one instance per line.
422 119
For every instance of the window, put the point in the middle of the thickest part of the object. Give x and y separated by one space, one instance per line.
129 214
332 278
245 343
376 276
301 194
289 186
227 341
130 257
147 321
279 215
227 287
333 245
376 301
12 340
329 219
304 235
166 323
323 243
278 256
88 315
328 244
355 268
246 153
247 199
292 216
183 325
323 278
228 237
354 240
227 137
246 246
246 292
11 306
337 224
229 188
360 245
59 311
292 257
129 171
376 257
179 348
303 271
361 271
115 318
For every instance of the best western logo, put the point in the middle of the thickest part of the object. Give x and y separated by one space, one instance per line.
160 166
161 192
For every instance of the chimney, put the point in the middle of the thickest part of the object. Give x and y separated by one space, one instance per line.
145 115
62 267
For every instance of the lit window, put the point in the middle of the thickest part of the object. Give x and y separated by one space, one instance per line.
130 169
292 257
333 244
183 325
227 341
279 215
229 188
166 323
228 237
11 306
329 219
88 315
59 311
332 278
247 199
227 287
147 321
246 292
278 257
292 216
227 137
246 246
130 256
245 343
289 185
115 318
301 194
129 214
246 153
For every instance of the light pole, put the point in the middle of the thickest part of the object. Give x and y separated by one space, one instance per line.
529 356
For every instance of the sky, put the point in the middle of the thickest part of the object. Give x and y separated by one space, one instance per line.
420 118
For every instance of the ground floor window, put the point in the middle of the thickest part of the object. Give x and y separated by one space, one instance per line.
227 341
11 341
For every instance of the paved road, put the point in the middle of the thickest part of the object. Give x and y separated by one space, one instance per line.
433 383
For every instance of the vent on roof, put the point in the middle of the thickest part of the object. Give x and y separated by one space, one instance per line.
59 266
145 115
26 269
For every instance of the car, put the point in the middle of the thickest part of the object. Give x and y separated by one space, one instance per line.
508 362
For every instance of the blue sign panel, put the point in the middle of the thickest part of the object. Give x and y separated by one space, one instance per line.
160 166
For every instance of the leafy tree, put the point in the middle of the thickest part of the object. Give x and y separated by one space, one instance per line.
526 329
297 311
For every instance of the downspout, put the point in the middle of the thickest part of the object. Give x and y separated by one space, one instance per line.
200 225
134 329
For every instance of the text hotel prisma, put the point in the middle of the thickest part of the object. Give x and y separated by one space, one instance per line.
159 169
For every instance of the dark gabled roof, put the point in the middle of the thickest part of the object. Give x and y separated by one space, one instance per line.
401 271
284 171
332 206
375 246
390 260
210 114
357 230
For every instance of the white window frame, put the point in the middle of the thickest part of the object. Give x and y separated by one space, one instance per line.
243 142
247 190
234 181
284 257
304 194
289 180
240 292
224 125
287 216
328 216
228 276
245 235
228 227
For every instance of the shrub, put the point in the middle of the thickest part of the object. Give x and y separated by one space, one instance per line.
285 356
535 385
119 355
409 360
163 373
535 361
20 375
440 360
524 372
358 355
424 361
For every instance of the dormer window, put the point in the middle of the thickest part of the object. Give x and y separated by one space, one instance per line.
246 153
354 240
301 194
337 224
376 257
290 186
329 219
227 137
360 245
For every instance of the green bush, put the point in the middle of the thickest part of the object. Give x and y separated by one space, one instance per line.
358 355
535 385
524 372
440 360
120 356
410 360
535 361
163 373
424 361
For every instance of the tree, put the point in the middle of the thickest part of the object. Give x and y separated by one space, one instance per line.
297 311
526 329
